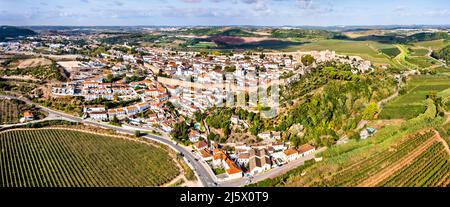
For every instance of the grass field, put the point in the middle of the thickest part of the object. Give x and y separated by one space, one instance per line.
205 45
418 51
9 112
421 62
412 103
434 45
62 158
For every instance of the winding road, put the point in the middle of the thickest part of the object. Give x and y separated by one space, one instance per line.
202 171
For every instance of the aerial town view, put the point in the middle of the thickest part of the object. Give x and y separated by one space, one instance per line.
218 93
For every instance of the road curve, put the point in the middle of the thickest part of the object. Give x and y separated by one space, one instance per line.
205 177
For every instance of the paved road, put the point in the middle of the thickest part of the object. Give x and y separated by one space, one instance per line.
207 178
201 170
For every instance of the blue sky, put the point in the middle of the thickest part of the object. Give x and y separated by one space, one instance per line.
223 12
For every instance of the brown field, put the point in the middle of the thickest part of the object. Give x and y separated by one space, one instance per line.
32 62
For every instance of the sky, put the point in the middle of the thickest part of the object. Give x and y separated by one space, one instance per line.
223 12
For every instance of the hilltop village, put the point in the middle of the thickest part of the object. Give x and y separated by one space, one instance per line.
151 89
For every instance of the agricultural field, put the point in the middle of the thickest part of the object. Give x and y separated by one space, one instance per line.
421 62
64 158
418 51
12 110
205 45
9 112
398 162
432 168
391 52
393 152
369 171
366 49
434 44
412 102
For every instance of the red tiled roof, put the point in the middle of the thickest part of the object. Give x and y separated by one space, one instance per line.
290 152
305 148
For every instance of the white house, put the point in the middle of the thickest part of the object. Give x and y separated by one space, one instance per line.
101 115
194 136
306 149
243 158
291 154
94 109
265 135
234 119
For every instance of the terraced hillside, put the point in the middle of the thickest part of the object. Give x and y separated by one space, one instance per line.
412 153
63 158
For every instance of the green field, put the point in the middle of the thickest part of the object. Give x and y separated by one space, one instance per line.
205 45
412 103
432 168
62 158
400 56
434 45
418 51
421 62
391 52
9 112
366 49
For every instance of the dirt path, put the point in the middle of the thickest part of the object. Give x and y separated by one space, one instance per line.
448 118
403 162
440 139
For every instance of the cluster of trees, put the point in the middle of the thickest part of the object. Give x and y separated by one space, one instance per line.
303 33
110 78
346 98
13 32
180 132
398 39
307 60
131 39
134 78
220 118
45 72
443 54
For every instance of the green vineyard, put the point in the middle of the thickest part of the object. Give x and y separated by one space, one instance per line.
430 169
62 158
9 112
354 173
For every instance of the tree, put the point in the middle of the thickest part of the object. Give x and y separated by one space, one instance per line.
307 60
137 133
370 111
230 69
115 121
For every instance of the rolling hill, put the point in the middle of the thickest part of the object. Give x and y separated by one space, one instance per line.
14 32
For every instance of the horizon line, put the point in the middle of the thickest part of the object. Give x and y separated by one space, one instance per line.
229 25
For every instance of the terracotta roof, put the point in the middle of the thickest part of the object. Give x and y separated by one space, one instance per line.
244 156
200 144
305 148
205 153
290 152
27 114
